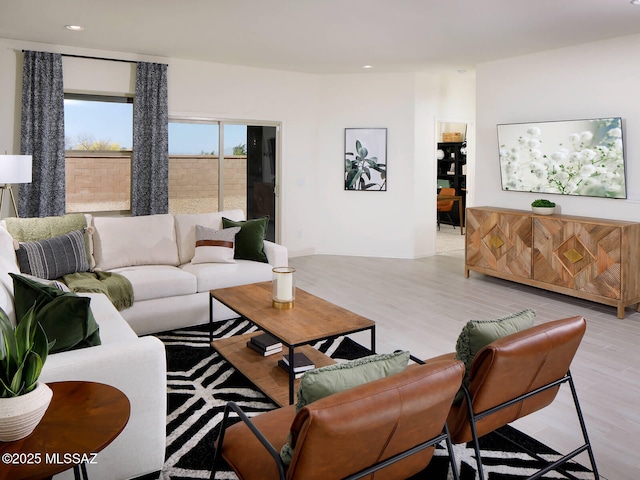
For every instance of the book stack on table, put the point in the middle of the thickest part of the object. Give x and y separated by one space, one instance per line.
265 344
301 363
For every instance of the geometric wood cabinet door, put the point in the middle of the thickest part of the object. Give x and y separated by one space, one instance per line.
590 258
498 241
577 255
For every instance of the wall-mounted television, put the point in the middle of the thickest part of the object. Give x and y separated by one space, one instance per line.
572 157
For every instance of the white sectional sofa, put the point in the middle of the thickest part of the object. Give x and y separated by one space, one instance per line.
154 253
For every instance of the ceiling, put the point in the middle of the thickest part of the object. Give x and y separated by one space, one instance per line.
322 36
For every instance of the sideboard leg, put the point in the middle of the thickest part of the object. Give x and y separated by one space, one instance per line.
620 311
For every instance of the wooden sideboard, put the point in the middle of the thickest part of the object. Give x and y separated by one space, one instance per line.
590 258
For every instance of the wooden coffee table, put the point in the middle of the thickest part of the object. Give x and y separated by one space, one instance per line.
82 419
311 320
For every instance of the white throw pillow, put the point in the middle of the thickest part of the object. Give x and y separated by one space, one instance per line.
186 228
215 246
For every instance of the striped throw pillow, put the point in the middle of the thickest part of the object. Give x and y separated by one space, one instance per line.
54 257
215 246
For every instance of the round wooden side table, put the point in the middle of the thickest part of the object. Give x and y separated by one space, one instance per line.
82 419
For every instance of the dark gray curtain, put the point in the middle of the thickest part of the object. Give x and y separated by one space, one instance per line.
43 135
150 162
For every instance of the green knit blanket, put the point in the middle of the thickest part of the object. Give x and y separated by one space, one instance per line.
115 286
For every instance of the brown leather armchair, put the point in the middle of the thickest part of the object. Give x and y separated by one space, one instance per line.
516 376
352 433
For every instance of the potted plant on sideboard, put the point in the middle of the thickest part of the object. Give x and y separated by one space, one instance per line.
23 352
543 207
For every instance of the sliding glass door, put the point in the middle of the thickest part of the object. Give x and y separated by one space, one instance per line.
217 166
261 174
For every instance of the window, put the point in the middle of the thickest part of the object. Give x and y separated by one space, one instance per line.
193 167
197 171
98 143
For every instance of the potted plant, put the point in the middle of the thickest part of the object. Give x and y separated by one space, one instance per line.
543 207
23 352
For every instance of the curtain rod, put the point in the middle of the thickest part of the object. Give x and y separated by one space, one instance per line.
88 57
98 58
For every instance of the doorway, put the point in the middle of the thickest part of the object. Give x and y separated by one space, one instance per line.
451 186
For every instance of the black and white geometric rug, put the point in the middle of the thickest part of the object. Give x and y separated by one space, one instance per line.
200 382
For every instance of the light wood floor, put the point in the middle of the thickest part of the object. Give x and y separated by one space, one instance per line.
421 305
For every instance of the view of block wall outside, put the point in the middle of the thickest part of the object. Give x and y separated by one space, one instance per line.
98 183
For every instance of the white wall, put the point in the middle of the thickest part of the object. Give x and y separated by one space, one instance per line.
317 215
368 223
587 81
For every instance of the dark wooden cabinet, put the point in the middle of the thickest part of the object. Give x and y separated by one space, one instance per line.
452 171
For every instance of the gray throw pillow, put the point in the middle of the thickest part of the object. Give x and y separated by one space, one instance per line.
54 257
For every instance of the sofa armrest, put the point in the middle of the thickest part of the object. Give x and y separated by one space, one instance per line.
277 255
137 368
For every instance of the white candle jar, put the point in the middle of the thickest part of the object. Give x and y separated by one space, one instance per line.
284 288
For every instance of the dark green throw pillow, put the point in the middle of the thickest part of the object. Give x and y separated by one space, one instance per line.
64 316
250 238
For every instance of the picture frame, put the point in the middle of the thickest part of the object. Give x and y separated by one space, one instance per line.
365 159
583 157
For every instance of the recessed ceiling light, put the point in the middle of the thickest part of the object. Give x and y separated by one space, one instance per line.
635 2
371 66
75 28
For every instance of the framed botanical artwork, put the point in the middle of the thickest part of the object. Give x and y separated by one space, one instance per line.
365 159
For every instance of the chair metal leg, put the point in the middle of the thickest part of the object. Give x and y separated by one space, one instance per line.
474 433
261 438
452 458
583 426
550 466
217 454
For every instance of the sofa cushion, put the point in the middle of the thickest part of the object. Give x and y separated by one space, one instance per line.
222 275
250 238
215 246
322 382
35 229
158 281
54 257
186 229
126 241
477 334
64 316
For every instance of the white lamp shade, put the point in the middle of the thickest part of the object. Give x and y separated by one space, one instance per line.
15 169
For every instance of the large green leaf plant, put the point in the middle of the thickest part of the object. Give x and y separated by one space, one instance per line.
23 351
356 169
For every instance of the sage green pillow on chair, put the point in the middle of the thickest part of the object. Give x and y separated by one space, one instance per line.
477 334
64 316
324 381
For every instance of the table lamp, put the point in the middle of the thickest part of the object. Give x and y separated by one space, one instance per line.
13 169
